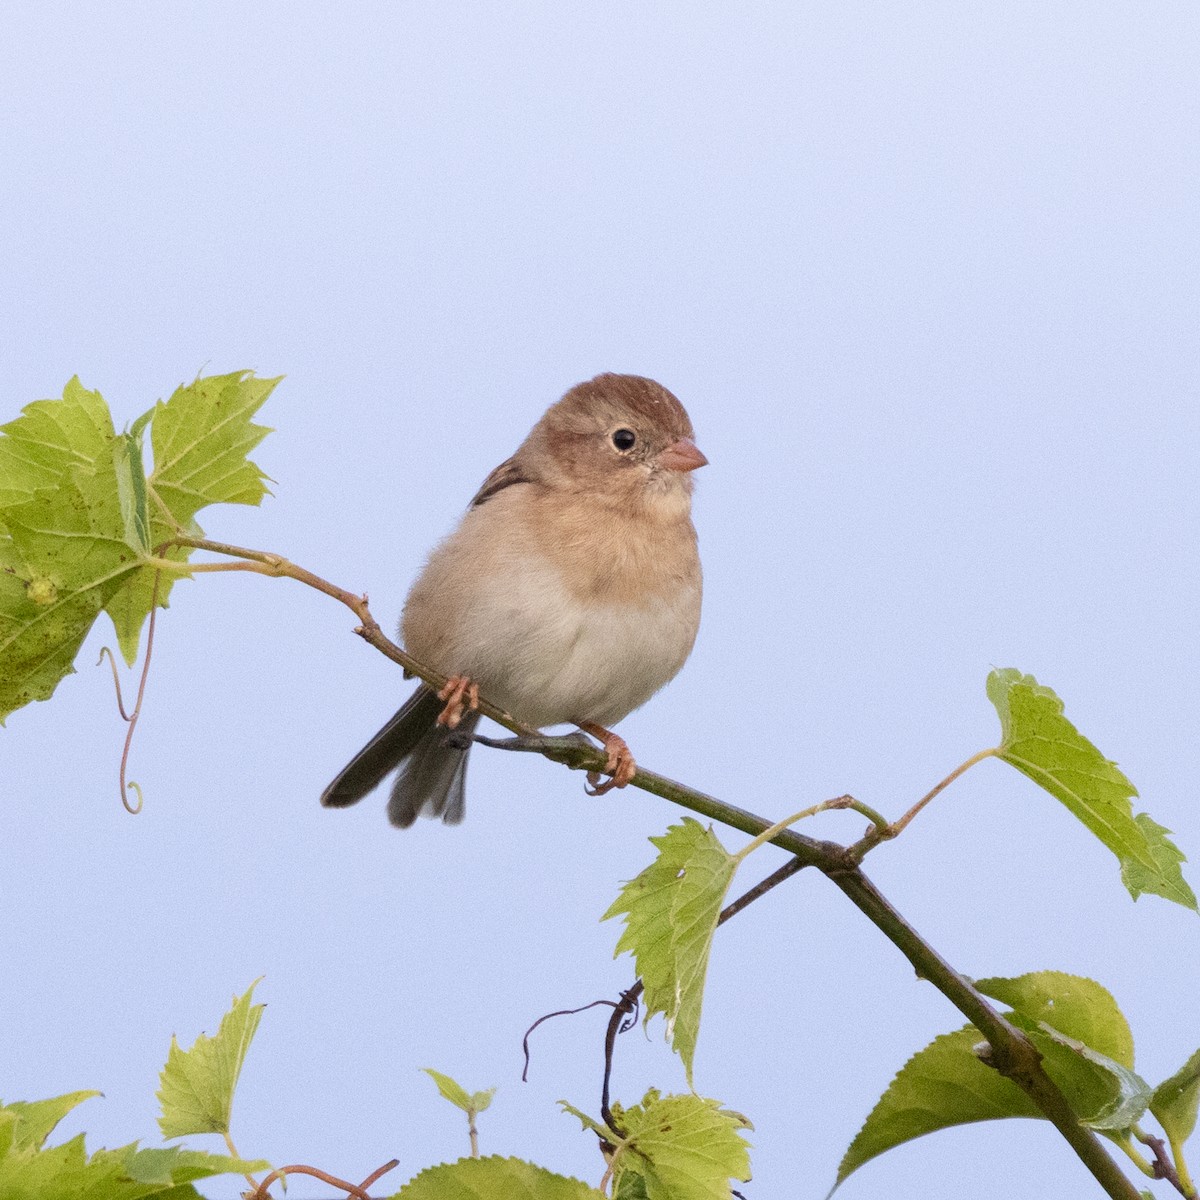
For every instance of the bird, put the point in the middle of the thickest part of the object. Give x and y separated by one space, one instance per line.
569 593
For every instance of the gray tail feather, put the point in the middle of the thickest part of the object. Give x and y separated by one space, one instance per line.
432 769
432 779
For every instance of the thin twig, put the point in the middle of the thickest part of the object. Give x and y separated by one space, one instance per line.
839 802
233 1150
351 1189
1164 1167
376 1175
276 566
898 827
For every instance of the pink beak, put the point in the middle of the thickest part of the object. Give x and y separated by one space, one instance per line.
681 455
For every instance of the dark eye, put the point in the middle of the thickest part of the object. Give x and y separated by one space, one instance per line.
624 439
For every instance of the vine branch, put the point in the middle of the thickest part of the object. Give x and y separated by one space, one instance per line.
1010 1051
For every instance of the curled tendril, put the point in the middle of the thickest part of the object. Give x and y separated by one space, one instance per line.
112 662
132 718
131 786
562 1012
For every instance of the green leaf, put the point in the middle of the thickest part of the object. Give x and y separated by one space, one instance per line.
1041 743
942 1085
174 1165
586 1121
1175 1100
201 437
8 1126
35 1120
494 1178
78 518
1167 877
51 438
1077 1006
481 1101
131 490
454 1092
680 1148
671 912
66 1173
1086 1048
1106 1094
197 1085
64 549
631 1186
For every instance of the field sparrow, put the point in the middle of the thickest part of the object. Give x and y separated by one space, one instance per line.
569 593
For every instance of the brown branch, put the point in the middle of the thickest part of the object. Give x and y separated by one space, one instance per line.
276 566
351 1189
379 1173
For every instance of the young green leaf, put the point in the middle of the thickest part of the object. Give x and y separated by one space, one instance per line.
494 1178
131 491
1041 743
197 1085
35 1120
680 1148
586 1121
450 1090
671 912
1175 1100
200 437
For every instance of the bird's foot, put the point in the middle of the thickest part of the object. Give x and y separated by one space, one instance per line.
620 764
460 694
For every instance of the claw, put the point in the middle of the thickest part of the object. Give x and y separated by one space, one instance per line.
619 764
460 694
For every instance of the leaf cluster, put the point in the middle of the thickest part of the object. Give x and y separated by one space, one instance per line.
82 522
29 1168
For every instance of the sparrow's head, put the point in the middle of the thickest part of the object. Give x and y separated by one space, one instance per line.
617 435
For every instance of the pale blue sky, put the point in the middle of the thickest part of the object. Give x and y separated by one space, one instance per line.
925 276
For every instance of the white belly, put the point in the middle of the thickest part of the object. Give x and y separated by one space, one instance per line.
549 658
